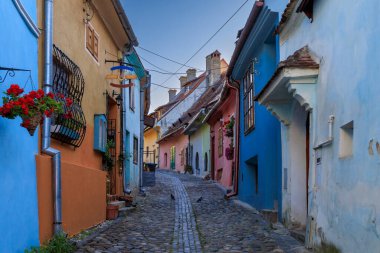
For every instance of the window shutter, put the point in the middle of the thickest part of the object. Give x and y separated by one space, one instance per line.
89 38
96 45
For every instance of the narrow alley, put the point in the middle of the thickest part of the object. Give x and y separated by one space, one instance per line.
198 219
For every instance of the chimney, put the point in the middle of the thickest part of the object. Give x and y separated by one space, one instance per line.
183 80
172 93
213 68
191 74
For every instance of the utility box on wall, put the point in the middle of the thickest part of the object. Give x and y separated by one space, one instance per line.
100 132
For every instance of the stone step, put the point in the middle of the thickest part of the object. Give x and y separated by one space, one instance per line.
120 204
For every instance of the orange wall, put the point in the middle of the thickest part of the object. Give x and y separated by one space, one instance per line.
83 197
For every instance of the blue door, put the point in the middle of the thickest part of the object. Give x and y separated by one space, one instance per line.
127 164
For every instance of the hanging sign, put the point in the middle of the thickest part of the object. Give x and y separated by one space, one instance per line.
122 85
122 76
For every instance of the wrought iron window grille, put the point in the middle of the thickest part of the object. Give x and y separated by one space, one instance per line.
68 80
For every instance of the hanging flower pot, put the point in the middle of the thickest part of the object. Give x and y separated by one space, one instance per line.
229 132
229 127
31 122
32 106
229 152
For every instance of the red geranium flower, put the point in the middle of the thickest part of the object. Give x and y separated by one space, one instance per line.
14 90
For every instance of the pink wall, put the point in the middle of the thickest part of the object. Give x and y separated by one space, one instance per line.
180 142
227 108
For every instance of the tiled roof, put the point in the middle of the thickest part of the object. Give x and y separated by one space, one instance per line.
286 15
300 59
206 100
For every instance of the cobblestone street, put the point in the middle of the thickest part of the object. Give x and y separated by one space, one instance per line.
198 219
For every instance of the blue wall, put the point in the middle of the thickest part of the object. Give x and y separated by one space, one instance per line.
18 187
263 144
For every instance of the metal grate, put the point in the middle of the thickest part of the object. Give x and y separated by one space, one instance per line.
111 137
68 80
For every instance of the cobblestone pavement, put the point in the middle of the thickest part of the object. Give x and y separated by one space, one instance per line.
191 223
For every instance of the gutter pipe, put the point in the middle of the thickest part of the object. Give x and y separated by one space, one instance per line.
46 140
142 114
330 137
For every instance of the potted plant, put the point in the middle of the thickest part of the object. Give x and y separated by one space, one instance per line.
229 127
107 157
33 106
112 212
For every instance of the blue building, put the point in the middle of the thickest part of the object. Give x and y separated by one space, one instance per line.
18 183
135 107
253 63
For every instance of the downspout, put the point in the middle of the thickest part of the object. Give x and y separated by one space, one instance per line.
47 87
123 130
233 84
330 137
142 114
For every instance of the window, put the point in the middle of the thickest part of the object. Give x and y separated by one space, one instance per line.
92 41
249 109
132 97
166 159
147 151
206 161
135 150
220 142
346 140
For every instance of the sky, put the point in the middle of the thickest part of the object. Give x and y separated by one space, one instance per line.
177 29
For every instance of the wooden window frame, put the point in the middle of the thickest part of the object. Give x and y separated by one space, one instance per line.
248 100
132 97
92 41
135 150
220 142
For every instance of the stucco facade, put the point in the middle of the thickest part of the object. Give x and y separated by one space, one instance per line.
341 95
255 59
176 160
18 187
223 169
200 143
151 146
83 175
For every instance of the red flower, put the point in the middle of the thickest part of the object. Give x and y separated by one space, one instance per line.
69 102
60 95
14 90
25 123
68 115
50 95
40 93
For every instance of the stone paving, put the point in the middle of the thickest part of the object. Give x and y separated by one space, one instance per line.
199 219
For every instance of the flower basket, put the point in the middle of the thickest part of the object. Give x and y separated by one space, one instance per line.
33 106
31 123
229 152
229 132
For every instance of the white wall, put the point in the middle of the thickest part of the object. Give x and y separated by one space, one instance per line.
345 37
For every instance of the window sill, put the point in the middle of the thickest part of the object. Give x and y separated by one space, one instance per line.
249 130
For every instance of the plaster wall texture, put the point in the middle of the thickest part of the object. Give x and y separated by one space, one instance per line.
150 138
201 145
262 145
228 108
18 187
344 190
69 33
180 142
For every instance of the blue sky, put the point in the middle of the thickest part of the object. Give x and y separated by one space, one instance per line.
177 29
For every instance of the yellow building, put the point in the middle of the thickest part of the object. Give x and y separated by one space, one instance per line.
85 35
151 150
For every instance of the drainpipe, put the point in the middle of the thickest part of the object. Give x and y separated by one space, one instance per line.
330 137
123 130
142 114
46 148
233 84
